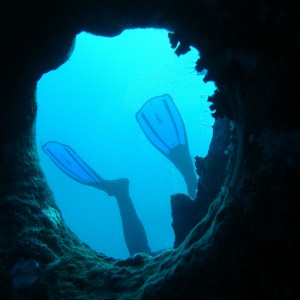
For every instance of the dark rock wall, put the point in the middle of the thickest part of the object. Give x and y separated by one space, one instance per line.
246 246
211 169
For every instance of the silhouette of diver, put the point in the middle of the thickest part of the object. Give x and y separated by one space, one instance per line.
163 126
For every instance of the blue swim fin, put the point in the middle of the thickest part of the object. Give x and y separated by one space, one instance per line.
67 160
162 124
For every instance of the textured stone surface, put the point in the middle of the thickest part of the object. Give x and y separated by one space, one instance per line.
187 212
247 244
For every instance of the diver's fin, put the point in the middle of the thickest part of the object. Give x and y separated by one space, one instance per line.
162 124
67 160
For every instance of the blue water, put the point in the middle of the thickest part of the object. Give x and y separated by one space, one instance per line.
90 104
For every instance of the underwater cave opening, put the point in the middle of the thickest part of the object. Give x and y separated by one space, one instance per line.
90 103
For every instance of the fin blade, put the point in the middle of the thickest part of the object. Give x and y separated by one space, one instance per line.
68 161
162 124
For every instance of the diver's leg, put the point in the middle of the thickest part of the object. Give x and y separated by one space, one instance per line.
134 232
67 160
181 158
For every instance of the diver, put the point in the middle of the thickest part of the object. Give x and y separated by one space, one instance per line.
163 126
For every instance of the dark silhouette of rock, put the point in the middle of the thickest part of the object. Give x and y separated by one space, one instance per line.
186 213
